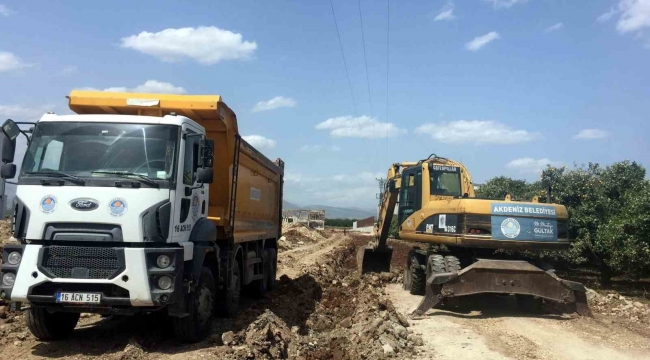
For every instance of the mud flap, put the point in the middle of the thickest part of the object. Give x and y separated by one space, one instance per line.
374 259
503 277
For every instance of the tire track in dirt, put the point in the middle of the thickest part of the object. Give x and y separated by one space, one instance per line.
507 333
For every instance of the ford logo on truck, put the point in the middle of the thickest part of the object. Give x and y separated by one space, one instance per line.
84 204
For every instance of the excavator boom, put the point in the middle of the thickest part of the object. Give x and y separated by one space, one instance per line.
378 258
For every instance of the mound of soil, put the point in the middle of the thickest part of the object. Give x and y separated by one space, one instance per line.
328 312
296 234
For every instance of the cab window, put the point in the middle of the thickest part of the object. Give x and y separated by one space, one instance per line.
445 180
191 159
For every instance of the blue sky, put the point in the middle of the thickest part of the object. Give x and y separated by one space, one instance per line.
505 86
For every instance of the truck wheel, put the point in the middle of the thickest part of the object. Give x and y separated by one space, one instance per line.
200 306
436 264
273 268
418 278
46 325
452 264
229 304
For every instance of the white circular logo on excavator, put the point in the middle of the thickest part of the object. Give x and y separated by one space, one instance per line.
510 228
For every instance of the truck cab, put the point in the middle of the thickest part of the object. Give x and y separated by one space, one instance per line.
127 207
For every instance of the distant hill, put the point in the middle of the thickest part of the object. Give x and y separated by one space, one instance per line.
333 212
289 205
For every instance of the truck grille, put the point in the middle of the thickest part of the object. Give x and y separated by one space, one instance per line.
75 262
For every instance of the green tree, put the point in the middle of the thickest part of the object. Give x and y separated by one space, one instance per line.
627 234
498 187
394 228
609 213
339 222
597 200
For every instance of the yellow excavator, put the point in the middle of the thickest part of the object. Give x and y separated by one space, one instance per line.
438 207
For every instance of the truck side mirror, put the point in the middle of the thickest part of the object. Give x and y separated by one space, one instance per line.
11 129
8 171
204 175
8 148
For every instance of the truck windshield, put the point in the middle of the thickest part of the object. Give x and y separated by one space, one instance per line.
445 180
81 148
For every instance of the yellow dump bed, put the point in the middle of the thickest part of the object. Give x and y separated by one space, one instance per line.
259 183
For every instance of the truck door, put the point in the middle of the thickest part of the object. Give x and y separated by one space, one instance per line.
190 198
410 196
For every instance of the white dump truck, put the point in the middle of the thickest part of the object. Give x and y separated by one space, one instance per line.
138 203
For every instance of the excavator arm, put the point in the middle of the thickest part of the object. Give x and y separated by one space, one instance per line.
377 258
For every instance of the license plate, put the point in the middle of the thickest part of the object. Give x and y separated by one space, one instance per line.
78 298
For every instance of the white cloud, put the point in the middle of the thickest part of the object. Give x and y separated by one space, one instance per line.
276 102
9 61
498 4
19 112
260 142
589 134
317 148
635 15
359 127
554 27
446 13
481 41
206 45
530 165
150 86
347 190
5 11
608 15
477 132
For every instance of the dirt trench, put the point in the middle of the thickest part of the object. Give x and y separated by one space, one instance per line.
321 309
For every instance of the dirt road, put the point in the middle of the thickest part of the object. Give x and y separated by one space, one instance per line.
322 309
498 330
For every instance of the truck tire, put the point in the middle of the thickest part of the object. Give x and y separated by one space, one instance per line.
418 278
229 304
436 264
452 264
200 306
273 268
46 325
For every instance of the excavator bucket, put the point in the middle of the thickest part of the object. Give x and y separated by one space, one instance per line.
503 277
374 259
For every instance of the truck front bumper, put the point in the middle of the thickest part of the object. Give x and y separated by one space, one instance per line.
44 271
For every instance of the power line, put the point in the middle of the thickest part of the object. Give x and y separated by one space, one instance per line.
347 74
387 57
365 58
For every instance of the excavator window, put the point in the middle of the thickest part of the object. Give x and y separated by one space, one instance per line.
410 197
446 183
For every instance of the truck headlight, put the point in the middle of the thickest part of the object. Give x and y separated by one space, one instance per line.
163 261
14 258
164 282
9 279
